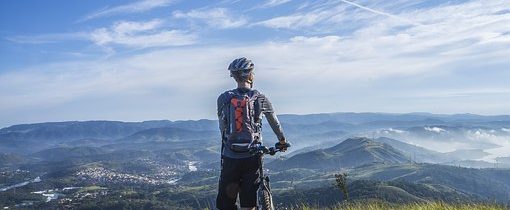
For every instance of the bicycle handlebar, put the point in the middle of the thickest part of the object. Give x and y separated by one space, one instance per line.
264 150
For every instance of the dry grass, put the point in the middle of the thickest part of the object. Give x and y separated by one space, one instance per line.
374 205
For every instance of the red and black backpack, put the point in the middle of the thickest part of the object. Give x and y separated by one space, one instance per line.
243 120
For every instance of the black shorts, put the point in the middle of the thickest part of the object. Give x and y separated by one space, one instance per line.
238 176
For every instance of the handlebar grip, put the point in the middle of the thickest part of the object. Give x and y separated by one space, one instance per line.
280 146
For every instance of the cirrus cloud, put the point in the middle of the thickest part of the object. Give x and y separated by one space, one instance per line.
135 7
217 17
455 60
141 35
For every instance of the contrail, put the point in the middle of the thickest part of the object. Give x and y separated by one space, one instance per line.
381 13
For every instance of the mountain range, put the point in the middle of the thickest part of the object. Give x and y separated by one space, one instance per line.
395 157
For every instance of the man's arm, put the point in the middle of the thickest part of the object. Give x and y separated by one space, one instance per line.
268 111
222 117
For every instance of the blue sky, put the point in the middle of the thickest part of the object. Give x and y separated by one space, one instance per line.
166 59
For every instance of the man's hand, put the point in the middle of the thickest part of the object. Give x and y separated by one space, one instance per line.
282 145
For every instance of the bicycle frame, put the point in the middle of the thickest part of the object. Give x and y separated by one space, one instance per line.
264 195
264 186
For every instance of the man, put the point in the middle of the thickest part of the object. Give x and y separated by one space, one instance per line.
240 120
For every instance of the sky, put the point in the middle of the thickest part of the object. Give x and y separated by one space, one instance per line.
167 59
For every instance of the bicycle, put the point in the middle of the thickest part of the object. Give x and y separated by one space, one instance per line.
264 196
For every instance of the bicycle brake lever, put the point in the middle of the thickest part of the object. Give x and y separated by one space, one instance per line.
272 151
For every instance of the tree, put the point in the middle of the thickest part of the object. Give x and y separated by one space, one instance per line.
341 183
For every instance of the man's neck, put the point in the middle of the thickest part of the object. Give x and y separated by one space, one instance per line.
243 85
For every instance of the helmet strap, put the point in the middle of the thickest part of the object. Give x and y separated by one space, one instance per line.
249 81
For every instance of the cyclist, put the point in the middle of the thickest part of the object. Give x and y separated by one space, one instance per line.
240 113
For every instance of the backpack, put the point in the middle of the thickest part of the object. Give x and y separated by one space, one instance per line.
243 121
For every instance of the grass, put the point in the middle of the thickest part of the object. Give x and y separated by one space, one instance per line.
376 205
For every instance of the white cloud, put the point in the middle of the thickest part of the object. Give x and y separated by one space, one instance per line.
270 3
216 17
434 129
301 20
379 12
141 35
340 63
112 88
392 131
129 27
367 70
165 79
273 3
132 34
330 15
135 7
485 136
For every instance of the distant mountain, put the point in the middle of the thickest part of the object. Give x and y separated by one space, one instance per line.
314 146
195 125
350 153
467 154
476 164
347 117
359 118
170 134
73 130
403 123
63 153
416 153
317 141
29 138
434 131
505 160
310 129
302 130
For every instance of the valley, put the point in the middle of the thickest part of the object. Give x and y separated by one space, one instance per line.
175 164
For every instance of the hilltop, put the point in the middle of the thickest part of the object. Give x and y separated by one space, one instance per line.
350 153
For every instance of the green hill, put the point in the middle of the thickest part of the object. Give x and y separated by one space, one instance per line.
490 184
350 153
395 192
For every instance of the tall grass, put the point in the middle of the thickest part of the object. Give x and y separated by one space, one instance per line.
376 205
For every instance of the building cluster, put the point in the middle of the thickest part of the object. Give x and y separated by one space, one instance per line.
103 175
70 202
